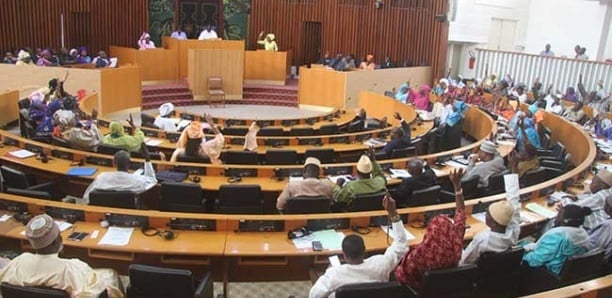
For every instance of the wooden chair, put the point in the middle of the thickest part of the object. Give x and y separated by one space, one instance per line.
215 90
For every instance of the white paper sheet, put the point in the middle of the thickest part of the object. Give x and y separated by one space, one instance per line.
63 225
5 217
528 217
330 240
385 228
511 184
22 153
116 236
296 178
334 178
399 173
374 142
153 142
541 210
481 216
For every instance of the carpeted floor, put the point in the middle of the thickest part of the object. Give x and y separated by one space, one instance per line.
297 289
235 111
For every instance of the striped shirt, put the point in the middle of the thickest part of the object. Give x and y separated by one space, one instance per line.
596 202
601 236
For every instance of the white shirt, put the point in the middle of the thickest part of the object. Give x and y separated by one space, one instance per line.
164 123
123 181
489 241
208 35
596 202
521 98
70 275
143 44
373 269
179 35
556 109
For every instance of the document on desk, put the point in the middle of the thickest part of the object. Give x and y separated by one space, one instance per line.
152 142
295 178
399 173
22 153
481 216
392 233
5 217
374 142
330 240
334 178
63 225
116 236
541 210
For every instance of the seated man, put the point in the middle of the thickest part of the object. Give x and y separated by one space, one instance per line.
121 180
85 135
311 186
491 164
46 269
357 124
118 138
358 269
566 239
601 235
370 179
595 198
575 113
422 177
400 136
504 221
101 60
163 120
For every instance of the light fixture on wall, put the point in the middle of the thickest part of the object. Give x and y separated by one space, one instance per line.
379 4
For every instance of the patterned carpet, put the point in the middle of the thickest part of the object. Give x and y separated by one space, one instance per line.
297 289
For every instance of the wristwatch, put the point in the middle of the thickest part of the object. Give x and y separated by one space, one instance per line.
394 218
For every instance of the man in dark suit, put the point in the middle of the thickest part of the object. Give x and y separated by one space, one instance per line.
421 177
400 136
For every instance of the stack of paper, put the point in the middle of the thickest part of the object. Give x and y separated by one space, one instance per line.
389 229
330 240
399 173
63 225
295 178
152 142
374 142
116 236
22 153
481 216
334 178
541 210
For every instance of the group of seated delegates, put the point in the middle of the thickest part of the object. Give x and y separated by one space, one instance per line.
193 143
122 180
45 268
340 62
50 57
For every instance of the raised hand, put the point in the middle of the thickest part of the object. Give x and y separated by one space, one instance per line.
397 116
455 178
389 204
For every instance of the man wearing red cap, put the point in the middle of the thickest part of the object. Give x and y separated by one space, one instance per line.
46 269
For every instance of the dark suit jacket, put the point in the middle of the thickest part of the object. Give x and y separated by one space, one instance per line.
403 193
400 143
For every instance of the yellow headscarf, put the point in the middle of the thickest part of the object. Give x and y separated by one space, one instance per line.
116 129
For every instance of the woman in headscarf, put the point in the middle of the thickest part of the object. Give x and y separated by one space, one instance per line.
368 63
459 108
145 42
269 43
83 57
442 244
45 129
402 93
566 239
118 138
192 142
24 58
420 99
570 94
504 108
163 120
250 139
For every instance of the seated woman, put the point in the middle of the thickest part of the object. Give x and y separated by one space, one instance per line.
420 99
402 93
504 108
566 239
191 141
83 57
269 43
525 156
368 63
85 134
45 129
163 120
118 138
442 245
602 126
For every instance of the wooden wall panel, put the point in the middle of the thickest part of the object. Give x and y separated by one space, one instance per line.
120 88
404 30
223 62
94 23
9 111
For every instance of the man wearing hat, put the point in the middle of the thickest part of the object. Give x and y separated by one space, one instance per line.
45 268
595 199
269 43
163 120
503 219
310 186
145 42
491 164
601 235
370 179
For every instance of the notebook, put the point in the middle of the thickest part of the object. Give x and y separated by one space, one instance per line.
81 171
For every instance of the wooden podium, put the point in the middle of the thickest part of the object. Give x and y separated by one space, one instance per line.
267 67
155 64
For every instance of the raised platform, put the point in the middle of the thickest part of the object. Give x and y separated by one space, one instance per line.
178 93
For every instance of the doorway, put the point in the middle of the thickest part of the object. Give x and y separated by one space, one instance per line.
501 34
193 15
311 42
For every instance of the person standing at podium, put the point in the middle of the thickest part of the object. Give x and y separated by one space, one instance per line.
178 33
269 43
208 33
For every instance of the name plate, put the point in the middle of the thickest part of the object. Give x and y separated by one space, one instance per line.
288 172
339 140
12 206
190 224
309 141
261 225
125 220
240 172
33 148
326 224
276 142
100 161
264 123
69 215
10 142
150 132
290 122
345 170
62 154
173 137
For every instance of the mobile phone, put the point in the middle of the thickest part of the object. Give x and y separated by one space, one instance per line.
317 246
76 236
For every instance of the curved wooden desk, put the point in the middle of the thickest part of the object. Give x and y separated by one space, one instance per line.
234 255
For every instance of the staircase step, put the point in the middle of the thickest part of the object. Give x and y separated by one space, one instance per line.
168 95
269 90
165 91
